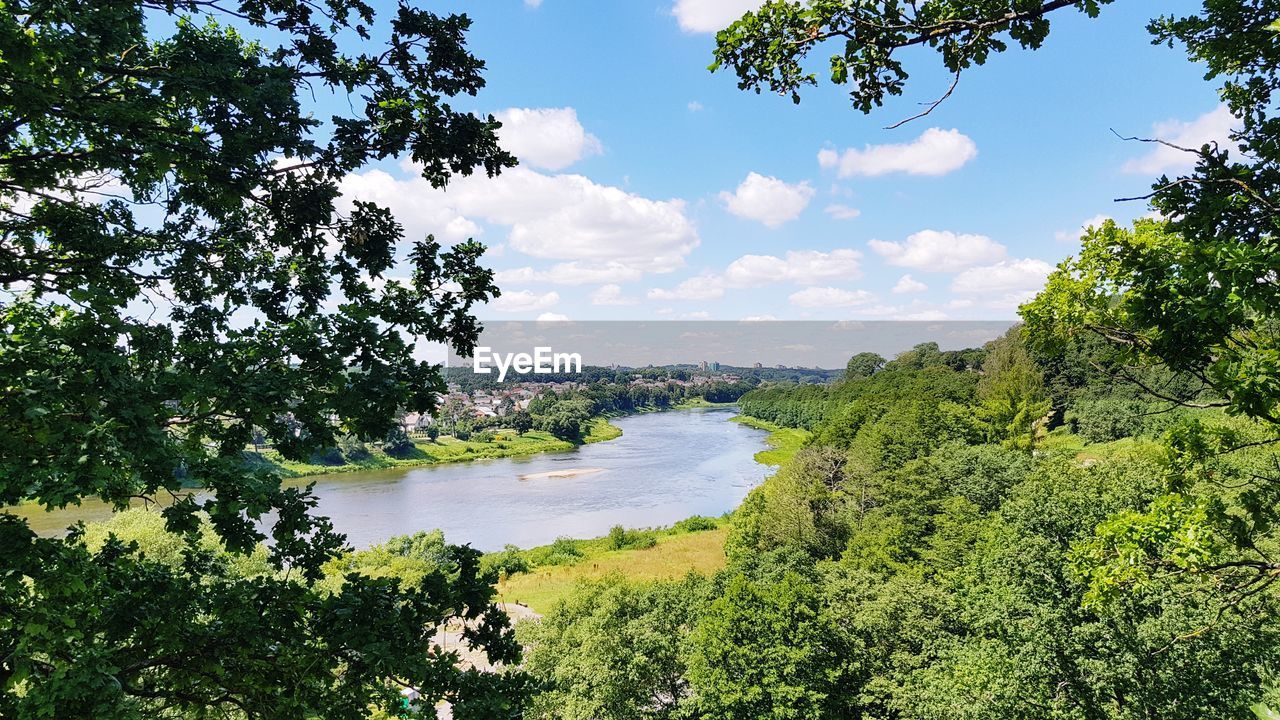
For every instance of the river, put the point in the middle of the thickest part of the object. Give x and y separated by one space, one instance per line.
665 467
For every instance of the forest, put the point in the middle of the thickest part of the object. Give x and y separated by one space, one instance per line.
959 538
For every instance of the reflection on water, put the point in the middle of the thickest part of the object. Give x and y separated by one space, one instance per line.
665 467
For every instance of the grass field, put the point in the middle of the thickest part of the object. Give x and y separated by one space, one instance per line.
673 556
783 442
449 450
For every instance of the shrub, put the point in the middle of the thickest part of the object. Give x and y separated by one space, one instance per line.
507 562
327 456
484 436
697 523
620 538
353 449
397 444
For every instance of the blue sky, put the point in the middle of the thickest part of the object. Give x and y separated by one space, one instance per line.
651 188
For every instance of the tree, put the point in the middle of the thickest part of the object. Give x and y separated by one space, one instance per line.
765 650
767 48
864 364
614 650
566 419
520 421
178 272
1011 393
1195 293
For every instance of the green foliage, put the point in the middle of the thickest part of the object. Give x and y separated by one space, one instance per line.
613 651
163 151
565 419
696 523
766 650
768 48
1011 395
620 538
864 364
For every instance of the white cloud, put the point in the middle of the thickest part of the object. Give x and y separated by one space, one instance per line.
419 218
555 217
701 287
758 318
570 273
940 251
908 284
1006 276
703 16
842 212
552 317
548 138
803 267
695 106
611 295
524 301
935 152
696 315
767 199
1213 126
829 297
1068 236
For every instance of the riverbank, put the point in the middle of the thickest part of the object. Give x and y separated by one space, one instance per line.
445 450
695 545
783 441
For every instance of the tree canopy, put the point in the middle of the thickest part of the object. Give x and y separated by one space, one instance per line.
180 278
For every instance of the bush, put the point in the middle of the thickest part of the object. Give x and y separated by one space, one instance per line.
353 449
398 444
617 537
462 432
1106 419
620 538
484 436
327 456
564 551
507 562
697 523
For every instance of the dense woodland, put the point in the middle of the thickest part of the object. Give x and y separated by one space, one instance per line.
943 547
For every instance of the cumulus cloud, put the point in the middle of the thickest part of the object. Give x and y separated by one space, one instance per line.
1070 236
701 287
554 217
430 214
548 138
524 301
570 273
552 317
939 251
842 212
935 152
695 106
611 295
704 16
1213 126
802 267
1007 276
907 284
829 297
767 199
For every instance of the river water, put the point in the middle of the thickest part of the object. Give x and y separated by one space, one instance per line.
665 467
